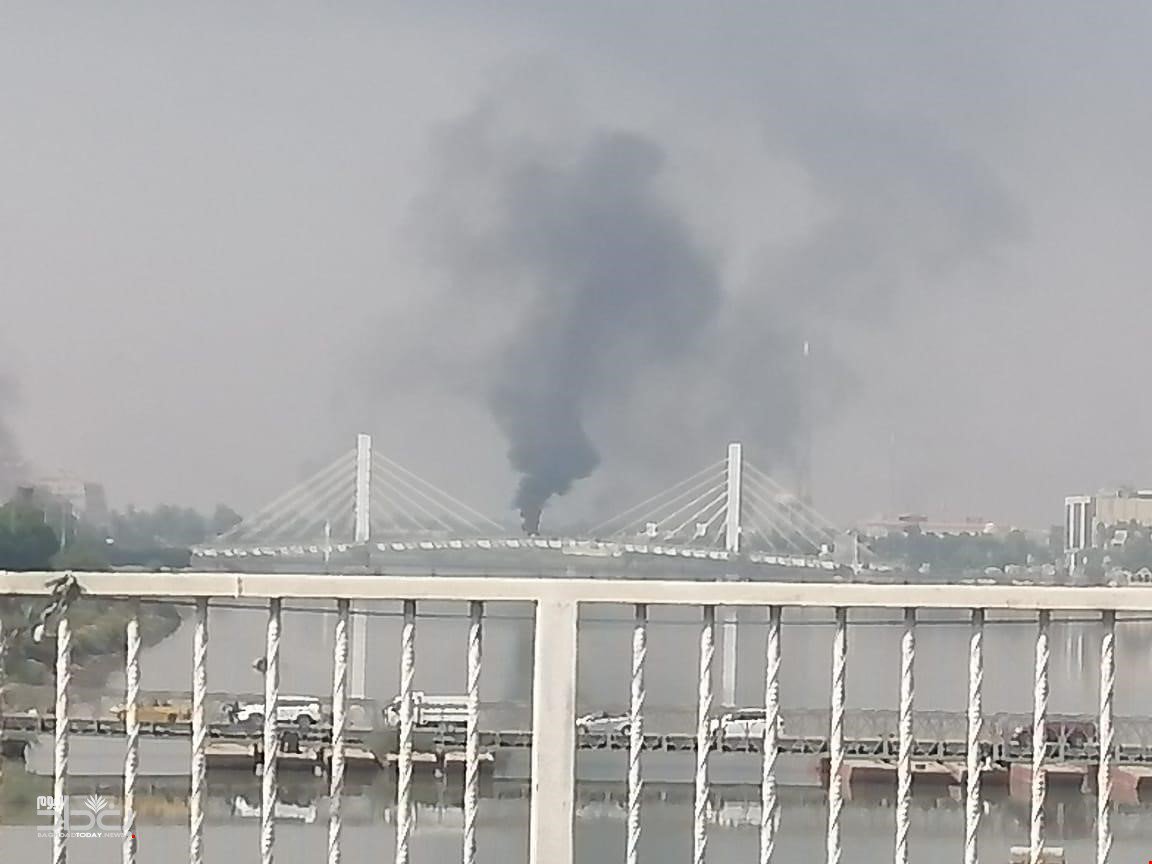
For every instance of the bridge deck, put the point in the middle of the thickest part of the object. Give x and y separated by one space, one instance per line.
448 740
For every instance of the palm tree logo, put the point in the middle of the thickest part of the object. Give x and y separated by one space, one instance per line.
95 803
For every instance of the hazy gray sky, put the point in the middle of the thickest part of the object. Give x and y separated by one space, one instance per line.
222 240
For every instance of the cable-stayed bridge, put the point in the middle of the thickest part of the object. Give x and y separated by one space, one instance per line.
364 508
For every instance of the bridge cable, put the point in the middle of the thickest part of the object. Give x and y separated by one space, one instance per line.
272 510
454 501
647 501
400 484
397 489
321 508
756 487
678 504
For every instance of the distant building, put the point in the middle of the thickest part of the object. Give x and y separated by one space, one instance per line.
1086 517
902 523
87 500
12 473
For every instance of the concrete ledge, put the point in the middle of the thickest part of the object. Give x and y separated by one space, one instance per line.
877 773
450 758
238 755
1048 855
481 586
1059 776
1131 784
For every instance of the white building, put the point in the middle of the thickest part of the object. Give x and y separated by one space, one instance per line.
1086 516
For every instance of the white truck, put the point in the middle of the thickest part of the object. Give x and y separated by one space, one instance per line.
431 711
285 811
301 711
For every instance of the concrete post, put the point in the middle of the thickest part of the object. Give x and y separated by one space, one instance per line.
728 668
553 733
359 624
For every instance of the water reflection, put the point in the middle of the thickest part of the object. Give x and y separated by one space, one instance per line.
734 813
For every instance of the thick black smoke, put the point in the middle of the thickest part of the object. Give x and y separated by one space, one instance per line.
610 315
620 285
604 282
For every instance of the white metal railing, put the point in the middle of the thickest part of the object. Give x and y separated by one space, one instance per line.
557 603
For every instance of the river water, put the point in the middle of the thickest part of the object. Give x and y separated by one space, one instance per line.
237 639
873 683
233 826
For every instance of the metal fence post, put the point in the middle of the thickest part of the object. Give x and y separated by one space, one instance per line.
132 731
836 736
63 718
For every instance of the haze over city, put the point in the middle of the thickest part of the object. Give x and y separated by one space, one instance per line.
575 432
598 236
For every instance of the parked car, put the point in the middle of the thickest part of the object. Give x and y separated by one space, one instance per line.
155 712
604 723
302 711
742 724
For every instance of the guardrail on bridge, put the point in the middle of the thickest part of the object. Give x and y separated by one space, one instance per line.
553 733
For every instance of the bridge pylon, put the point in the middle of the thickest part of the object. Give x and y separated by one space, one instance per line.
732 506
361 497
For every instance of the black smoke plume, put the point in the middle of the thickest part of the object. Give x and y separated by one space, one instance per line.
620 285
603 280
577 296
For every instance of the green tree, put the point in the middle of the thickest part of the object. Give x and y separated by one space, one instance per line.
164 526
83 553
959 552
27 542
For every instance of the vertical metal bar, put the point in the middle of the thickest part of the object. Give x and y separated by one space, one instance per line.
407 722
636 731
975 728
132 730
770 802
1039 738
836 736
553 733
199 732
472 742
904 764
60 768
271 736
1107 738
339 730
704 736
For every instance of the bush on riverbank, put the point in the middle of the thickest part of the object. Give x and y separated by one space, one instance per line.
98 636
28 542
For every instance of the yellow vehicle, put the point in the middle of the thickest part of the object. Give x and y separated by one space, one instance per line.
156 712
